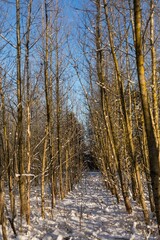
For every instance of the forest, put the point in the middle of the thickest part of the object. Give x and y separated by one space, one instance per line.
79 100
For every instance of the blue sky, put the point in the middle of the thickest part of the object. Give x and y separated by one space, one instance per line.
71 15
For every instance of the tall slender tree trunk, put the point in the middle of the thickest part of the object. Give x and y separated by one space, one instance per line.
46 78
43 174
67 155
151 139
20 158
2 164
128 130
51 130
154 80
27 71
104 103
7 152
59 158
67 170
147 167
154 76
2 206
122 101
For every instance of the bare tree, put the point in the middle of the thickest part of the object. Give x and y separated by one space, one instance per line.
151 139
20 156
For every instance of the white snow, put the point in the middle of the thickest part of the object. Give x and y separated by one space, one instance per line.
88 212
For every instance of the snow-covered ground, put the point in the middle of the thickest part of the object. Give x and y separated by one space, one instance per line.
88 212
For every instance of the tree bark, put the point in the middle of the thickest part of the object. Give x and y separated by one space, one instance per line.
154 76
106 114
27 69
20 158
151 139
59 158
127 127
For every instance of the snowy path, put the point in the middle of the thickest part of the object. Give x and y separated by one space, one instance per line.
88 212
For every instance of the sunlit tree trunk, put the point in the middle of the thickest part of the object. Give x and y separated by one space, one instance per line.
46 79
7 152
122 101
147 167
151 139
101 79
117 165
43 174
67 155
154 75
27 72
128 130
2 164
2 204
51 123
154 80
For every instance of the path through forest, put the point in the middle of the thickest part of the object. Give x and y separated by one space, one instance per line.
88 212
